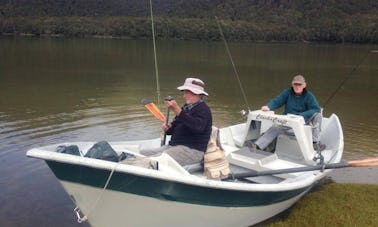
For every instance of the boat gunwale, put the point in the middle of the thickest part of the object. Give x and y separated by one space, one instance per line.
312 176
303 179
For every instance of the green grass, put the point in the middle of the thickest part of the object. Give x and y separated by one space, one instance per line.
334 205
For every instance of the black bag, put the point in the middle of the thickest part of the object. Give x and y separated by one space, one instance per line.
102 150
71 149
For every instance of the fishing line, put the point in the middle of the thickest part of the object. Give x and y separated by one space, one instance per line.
155 58
232 62
348 77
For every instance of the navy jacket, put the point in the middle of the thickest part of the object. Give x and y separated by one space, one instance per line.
192 127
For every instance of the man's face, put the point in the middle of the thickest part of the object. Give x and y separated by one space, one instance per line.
298 87
190 97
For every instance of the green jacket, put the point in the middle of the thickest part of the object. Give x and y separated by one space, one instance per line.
305 104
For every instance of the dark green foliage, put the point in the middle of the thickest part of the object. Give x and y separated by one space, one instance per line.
352 21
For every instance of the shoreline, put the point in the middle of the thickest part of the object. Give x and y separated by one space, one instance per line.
355 175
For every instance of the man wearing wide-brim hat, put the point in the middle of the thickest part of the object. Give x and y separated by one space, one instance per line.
191 128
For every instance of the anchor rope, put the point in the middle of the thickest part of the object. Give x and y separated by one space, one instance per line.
155 57
232 62
93 206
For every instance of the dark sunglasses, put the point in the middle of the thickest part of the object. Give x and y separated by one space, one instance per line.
297 84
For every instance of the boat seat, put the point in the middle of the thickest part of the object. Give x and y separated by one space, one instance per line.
287 148
271 179
192 168
258 154
243 160
231 136
169 165
244 157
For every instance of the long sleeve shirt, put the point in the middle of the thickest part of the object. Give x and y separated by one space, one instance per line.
304 104
192 127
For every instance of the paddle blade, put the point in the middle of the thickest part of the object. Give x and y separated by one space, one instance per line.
153 109
364 162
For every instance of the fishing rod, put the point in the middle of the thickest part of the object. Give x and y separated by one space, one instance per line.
155 57
232 62
349 75
166 118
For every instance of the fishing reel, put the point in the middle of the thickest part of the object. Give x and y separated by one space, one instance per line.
168 98
244 114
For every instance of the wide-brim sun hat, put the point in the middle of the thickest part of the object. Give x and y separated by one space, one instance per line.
194 85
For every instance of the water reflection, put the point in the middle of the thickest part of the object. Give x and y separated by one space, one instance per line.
57 90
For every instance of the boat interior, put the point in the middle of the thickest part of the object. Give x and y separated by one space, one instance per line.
287 151
284 152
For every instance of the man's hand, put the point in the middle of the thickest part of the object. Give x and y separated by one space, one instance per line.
172 105
165 126
265 108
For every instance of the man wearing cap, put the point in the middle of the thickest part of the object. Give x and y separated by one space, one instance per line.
299 101
191 127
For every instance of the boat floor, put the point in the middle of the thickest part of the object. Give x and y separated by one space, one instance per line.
253 157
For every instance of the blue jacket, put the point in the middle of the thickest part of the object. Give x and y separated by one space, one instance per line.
192 127
305 104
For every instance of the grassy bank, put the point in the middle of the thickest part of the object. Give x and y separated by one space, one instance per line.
350 21
186 29
334 205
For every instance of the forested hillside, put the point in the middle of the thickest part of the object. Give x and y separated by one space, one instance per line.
354 21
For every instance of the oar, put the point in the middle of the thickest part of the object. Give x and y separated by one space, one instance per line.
364 162
356 163
153 109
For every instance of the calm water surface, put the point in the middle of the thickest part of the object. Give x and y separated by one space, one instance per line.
58 90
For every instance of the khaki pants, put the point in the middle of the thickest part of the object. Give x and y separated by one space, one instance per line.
182 154
273 132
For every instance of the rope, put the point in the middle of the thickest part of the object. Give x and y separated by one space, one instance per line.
155 58
346 78
86 217
232 62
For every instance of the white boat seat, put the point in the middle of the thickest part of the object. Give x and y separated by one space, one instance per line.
287 148
232 136
251 160
270 179
192 168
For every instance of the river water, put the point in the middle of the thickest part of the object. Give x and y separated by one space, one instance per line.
58 90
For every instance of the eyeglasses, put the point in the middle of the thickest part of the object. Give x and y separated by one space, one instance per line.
297 84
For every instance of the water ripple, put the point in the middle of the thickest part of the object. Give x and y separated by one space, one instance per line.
96 123
360 139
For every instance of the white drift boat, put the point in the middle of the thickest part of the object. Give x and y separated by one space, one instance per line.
264 183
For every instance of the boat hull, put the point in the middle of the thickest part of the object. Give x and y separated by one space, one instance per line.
120 194
152 202
124 209
170 190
